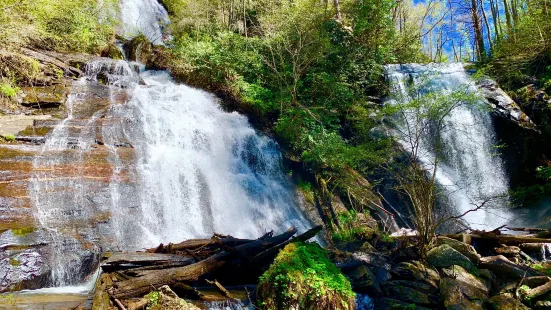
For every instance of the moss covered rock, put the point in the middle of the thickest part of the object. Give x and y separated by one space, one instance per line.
303 277
504 302
446 256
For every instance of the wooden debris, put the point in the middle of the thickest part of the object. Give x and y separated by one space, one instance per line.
153 279
220 288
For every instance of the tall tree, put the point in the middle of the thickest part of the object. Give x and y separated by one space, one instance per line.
477 30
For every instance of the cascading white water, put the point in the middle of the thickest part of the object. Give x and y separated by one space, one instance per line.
471 172
147 17
201 170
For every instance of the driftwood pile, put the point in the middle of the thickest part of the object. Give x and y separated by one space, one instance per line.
182 266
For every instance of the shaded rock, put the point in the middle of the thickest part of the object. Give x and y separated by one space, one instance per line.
25 270
139 49
505 269
445 256
378 263
463 248
112 51
458 295
488 278
466 279
409 291
542 305
393 304
502 105
503 302
417 271
44 96
508 251
363 280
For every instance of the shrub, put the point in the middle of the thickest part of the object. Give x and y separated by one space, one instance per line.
303 277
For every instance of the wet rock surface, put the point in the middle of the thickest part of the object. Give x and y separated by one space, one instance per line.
502 105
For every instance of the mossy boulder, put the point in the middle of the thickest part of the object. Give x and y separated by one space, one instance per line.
112 51
462 290
417 271
445 256
461 247
303 277
504 302
139 49
411 292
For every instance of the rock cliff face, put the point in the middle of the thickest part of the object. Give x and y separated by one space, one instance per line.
502 105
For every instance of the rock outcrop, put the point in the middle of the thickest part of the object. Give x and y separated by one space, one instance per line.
502 105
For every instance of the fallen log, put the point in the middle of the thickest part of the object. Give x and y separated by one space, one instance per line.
538 291
125 260
154 279
101 298
504 239
216 241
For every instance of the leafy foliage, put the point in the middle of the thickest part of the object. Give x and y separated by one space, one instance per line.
65 25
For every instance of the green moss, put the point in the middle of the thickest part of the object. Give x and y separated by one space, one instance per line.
35 131
14 262
303 277
22 232
154 298
8 137
9 91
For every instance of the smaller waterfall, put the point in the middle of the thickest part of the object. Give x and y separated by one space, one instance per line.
147 17
470 171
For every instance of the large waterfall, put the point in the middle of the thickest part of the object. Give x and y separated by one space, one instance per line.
141 160
471 173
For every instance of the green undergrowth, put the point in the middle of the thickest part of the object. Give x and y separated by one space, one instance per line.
351 229
62 25
303 277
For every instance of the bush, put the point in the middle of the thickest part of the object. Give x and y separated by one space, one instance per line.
303 277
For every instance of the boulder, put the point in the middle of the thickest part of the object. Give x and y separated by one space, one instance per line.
378 263
504 302
458 295
488 278
417 271
461 247
505 269
363 280
393 304
410 292
139 49
168 300
502 105
466 279
445 256
24 270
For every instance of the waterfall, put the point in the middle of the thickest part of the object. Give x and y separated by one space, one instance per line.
471 172
147 17
141 160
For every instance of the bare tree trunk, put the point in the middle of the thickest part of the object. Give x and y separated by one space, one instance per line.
495 17
479 39
508 18
488 32
337 10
